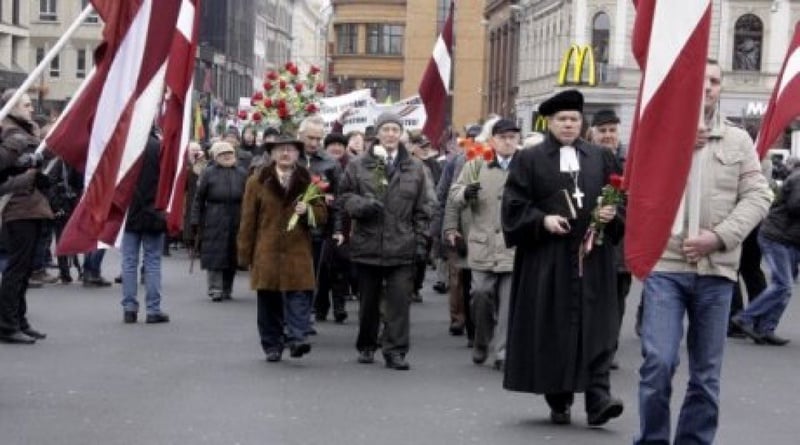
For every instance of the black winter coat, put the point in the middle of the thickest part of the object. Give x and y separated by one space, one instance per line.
782 224
142 215
216 211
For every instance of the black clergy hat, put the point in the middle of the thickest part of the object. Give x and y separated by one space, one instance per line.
603 117
569 100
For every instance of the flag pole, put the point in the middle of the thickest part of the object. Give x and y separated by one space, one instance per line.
32 77
695 178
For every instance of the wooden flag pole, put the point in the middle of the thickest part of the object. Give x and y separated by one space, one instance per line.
696 178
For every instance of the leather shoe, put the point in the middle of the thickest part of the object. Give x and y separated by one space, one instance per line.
396 361
18 338
611 409
274 356
129 317
560 417
160 317
456 329
297 350
33 333
479 354
771 339
366 356
339 316
747 329
440 287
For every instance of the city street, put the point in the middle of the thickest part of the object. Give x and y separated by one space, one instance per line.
203 379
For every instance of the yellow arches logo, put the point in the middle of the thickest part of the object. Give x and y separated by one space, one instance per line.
576 56
540 123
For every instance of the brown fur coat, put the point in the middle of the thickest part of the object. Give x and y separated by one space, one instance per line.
278 260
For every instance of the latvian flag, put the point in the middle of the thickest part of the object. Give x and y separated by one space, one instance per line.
104 132
435 83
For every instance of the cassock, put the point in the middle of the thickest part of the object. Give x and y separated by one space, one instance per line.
562 326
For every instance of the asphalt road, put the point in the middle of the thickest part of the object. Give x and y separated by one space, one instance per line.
203 379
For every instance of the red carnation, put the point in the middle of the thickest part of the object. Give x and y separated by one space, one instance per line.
289 66
313 70
294 70
320 88
272 75
283 113
323 186
242 115
311 108
282 84
268 102
281 104
257 116
488 154
267 86
472 153
298 87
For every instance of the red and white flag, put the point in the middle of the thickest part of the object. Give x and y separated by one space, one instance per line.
435 84
104 132
784 105
178 115
670 44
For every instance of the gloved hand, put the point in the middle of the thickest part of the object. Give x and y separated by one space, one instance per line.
471 191
372 208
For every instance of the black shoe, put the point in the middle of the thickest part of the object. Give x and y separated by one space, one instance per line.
297 350
500 365
17 338
771 339
216 298
396 361
129 317
479 354
96 281
440 287
160 317
456 329
65 278
274 356
734 332
33 333
611 409
366 356
118 279
340 316
747 329
560 417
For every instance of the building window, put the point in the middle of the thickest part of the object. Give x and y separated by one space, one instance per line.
47 10
383 89
93 17
80 64
347 38
39 55
15 12
55 66
747 37
601 31
385 39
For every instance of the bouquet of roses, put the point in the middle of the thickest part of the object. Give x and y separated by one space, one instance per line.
316 190
288 97
477 154
612 194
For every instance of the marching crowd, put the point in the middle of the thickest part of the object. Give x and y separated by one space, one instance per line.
320 218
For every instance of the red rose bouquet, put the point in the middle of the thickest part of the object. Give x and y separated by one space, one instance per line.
316 190
288 97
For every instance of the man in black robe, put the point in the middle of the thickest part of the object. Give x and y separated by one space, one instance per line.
564 317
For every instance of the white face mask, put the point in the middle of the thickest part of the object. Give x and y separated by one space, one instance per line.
569 160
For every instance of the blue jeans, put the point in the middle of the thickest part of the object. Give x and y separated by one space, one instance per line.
283 313
92 262
152 244
765 312
706 301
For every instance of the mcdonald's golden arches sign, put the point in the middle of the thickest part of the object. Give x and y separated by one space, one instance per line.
577 56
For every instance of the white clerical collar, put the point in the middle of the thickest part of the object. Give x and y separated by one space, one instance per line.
569 159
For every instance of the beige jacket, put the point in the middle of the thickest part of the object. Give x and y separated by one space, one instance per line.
486 246
735 198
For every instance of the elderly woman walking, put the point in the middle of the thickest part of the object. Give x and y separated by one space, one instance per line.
215 218
279 253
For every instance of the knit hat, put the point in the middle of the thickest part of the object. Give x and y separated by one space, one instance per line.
388 117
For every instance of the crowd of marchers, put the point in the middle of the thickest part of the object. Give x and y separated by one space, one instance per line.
320 219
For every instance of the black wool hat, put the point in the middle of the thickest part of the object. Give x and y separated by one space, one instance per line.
334 138
569 100
603 117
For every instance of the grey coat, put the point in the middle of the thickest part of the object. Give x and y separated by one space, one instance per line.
394 235
216 210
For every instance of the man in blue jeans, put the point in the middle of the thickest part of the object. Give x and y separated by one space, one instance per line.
779 239
695 278
144 230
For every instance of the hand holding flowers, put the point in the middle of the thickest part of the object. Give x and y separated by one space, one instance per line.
315 191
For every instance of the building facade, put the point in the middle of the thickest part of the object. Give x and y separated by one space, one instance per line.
502 17
14 42
748 37
385 45
308 34
49 20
